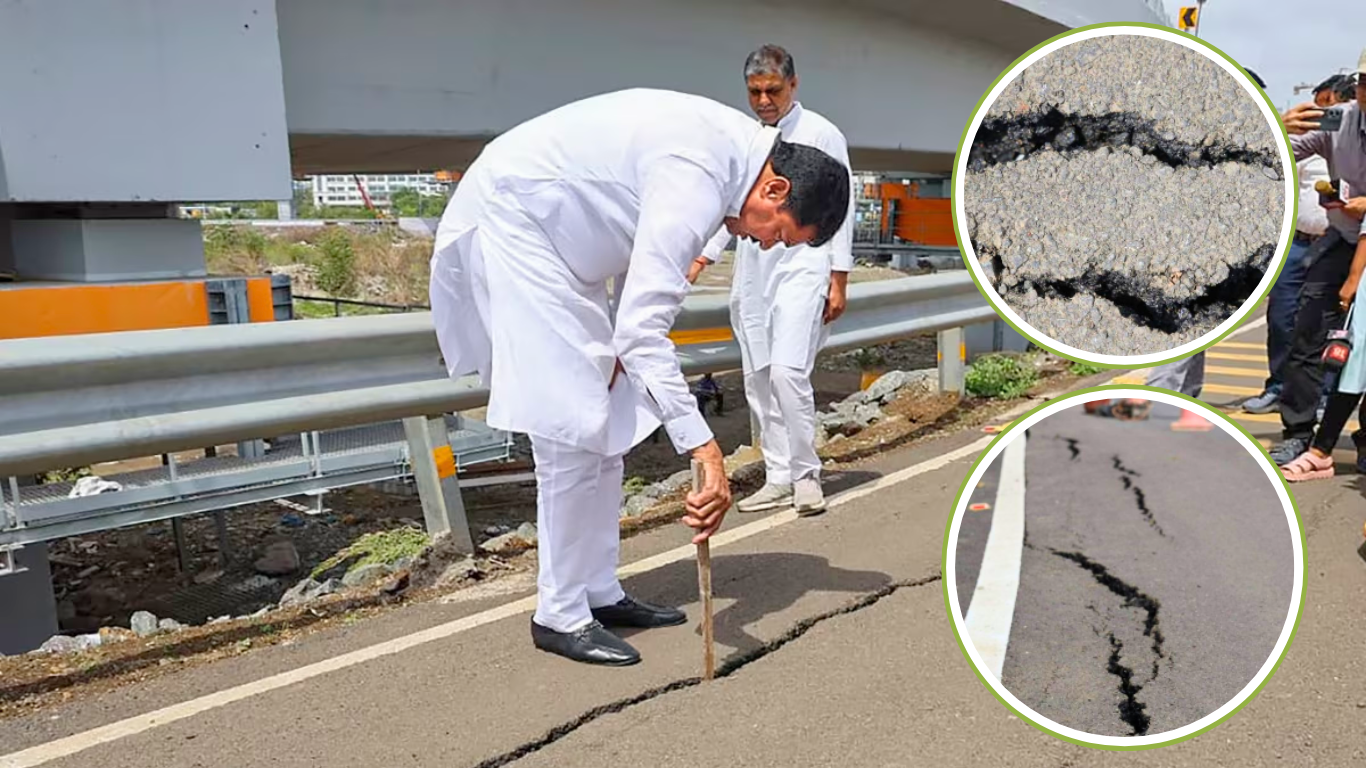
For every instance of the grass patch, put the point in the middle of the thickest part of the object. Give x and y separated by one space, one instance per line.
381 547
1085 369
634 485
1003 377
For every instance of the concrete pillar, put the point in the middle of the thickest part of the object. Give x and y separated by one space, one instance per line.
29 603
429 451
105 243
951 363
286 209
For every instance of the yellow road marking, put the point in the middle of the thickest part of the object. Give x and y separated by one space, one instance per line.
1229 389
1251 373
1239 345
1241 358
702 336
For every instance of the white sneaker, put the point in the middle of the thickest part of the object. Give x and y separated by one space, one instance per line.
771 496
808 499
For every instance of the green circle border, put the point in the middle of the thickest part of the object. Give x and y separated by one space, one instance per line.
949 609
1292 177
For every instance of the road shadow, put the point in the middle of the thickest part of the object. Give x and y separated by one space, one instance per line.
786 577
837 482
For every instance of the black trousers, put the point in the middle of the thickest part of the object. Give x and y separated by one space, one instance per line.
1335 416
1330 259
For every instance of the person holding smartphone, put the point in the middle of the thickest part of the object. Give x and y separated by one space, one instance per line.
1311 223
1334 265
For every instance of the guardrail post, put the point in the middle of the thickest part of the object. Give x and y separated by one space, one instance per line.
951 354
429 451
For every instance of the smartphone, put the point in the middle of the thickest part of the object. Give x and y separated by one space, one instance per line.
1331 119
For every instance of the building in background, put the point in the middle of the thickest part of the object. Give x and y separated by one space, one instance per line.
342 190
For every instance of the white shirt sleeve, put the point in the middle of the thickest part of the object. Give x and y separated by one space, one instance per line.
679 202
717 244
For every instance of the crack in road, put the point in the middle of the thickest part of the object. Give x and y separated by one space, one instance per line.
728 667
1072 444
1131 711
1140 500
1144 303
1003 139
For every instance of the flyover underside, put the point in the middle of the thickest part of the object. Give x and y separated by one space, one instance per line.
320 153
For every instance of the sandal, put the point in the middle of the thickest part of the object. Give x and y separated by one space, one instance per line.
1308 466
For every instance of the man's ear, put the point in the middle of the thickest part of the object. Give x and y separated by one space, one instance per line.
777 188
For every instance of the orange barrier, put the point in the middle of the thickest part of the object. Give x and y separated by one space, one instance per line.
923 220
31 311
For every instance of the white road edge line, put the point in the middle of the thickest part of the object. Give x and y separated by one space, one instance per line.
998 583
79 742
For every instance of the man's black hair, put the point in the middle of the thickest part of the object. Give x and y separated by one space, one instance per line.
1332 83
1255 78
820 187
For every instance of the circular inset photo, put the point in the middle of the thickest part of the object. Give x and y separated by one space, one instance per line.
1124 568
1124 194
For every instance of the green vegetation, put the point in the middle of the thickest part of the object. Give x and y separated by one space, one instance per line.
381 547
407 202
1000 376
367 262
634 485
1085 369
337 263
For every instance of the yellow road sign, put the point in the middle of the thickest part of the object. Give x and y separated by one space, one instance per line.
1189 17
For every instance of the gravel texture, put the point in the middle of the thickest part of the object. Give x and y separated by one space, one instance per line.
1125 195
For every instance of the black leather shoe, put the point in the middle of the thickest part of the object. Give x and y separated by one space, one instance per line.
630 612
592 644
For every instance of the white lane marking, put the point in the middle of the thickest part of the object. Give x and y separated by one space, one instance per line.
993 600
70 745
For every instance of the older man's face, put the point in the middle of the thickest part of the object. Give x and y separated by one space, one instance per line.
770 96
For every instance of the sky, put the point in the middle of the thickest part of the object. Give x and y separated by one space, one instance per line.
1286 42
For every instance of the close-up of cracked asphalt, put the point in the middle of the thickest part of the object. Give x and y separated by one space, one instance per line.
1155 576
1124 195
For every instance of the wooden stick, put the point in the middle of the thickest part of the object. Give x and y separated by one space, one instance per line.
704 587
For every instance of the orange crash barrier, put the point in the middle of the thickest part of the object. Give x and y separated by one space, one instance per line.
48 309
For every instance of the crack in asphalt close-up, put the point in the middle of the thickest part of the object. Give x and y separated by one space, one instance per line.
1131 710
728 667
1140 500
1003 139
1144 303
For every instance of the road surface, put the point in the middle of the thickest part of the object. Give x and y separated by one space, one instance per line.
882 685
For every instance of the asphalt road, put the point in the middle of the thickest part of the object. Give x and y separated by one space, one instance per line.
882 685
972 535
1156 574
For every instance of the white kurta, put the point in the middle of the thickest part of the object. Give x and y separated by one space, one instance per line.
630 182
778 295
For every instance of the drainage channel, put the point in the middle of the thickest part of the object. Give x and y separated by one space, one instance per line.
727 668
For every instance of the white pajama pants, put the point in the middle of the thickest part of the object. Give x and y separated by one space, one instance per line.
578 506
782 399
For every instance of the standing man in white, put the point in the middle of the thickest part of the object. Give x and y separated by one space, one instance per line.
628 183
783 299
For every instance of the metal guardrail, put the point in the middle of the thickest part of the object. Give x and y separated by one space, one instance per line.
76 400
80 400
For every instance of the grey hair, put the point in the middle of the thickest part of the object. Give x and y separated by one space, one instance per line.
770 60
